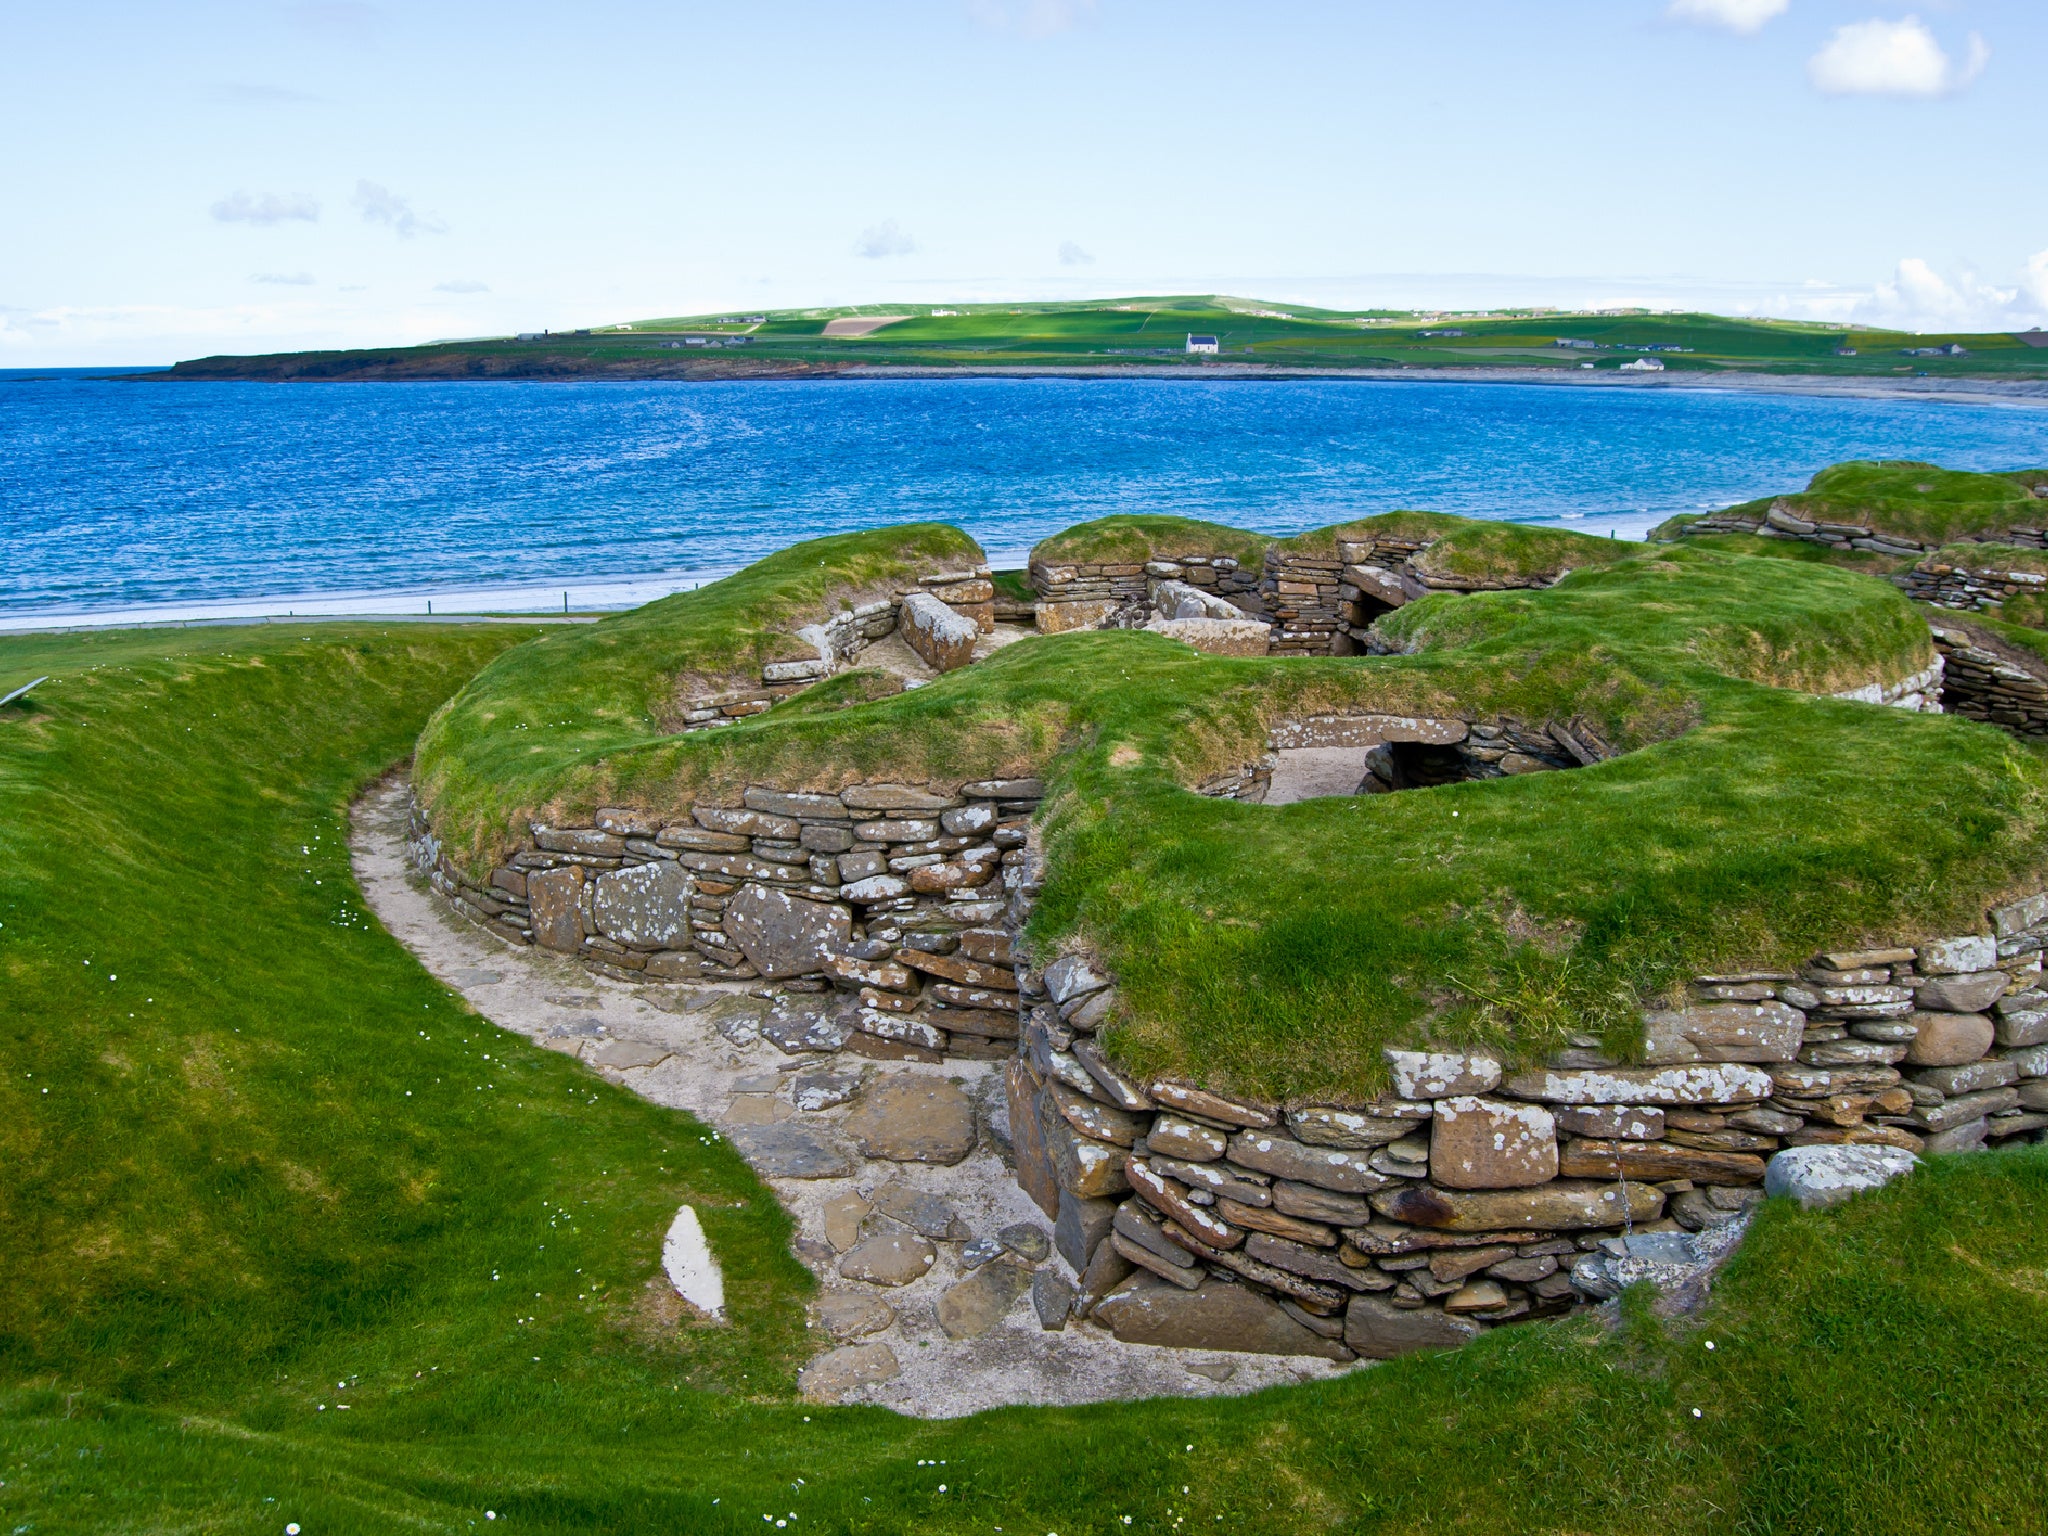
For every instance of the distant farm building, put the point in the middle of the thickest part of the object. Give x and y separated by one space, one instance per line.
1582 346
1643 365
1845 351
1207 344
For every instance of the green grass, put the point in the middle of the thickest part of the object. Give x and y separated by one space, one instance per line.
1131 538
226 1205
587 689
1468 548
1277 950
1903 496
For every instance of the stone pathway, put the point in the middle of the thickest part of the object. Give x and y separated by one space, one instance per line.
925 1249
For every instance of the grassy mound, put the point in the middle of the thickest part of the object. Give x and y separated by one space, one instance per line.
226 1205
1466 548
1132 538
1277 950
1904 496
577 693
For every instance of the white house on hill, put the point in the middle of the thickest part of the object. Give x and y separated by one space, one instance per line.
1206 344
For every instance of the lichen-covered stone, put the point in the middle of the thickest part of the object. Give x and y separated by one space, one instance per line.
1479 1143
785 935
645 905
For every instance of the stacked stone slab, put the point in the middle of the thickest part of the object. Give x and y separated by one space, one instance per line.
1468 1196
1091 595
1979 684
1968 587
840 639
1326 607
1302 599
898 899
1780 521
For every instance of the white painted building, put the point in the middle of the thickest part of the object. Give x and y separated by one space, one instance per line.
1206 344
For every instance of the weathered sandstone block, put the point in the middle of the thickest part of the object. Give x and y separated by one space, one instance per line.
1721 1083
555 900
1750 1032
784 935
1556 1207
1147 1310
647 905
1441 1074
1479 1143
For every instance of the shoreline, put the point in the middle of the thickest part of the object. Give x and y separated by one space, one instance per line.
1930 388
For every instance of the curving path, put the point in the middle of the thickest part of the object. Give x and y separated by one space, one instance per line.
697 1049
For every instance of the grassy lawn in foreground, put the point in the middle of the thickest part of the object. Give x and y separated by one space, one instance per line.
225 1207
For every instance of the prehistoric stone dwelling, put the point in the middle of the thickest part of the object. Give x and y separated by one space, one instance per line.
892 918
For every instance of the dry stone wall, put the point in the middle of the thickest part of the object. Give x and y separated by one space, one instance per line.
1326 606
892 905
1968 587
1095 595
1468 1195
1978 683
969 595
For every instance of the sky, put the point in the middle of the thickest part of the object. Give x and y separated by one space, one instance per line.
207 176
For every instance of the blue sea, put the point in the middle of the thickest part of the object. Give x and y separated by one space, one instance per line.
122 500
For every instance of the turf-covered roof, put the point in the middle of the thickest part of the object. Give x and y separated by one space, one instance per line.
1277 949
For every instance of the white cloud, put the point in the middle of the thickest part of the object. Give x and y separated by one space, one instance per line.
462 285
1071 255
1892 58
381 205
884 239
1736 15
283 279
1918 297
2034 282
265 208
1031 18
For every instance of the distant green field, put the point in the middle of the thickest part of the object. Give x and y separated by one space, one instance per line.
1109 333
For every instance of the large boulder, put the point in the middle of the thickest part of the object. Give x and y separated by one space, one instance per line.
942 637
1817 1176
1178 600
784 935
1217 1315
647 906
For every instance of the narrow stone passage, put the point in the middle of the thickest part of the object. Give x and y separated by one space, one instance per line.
932 1263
